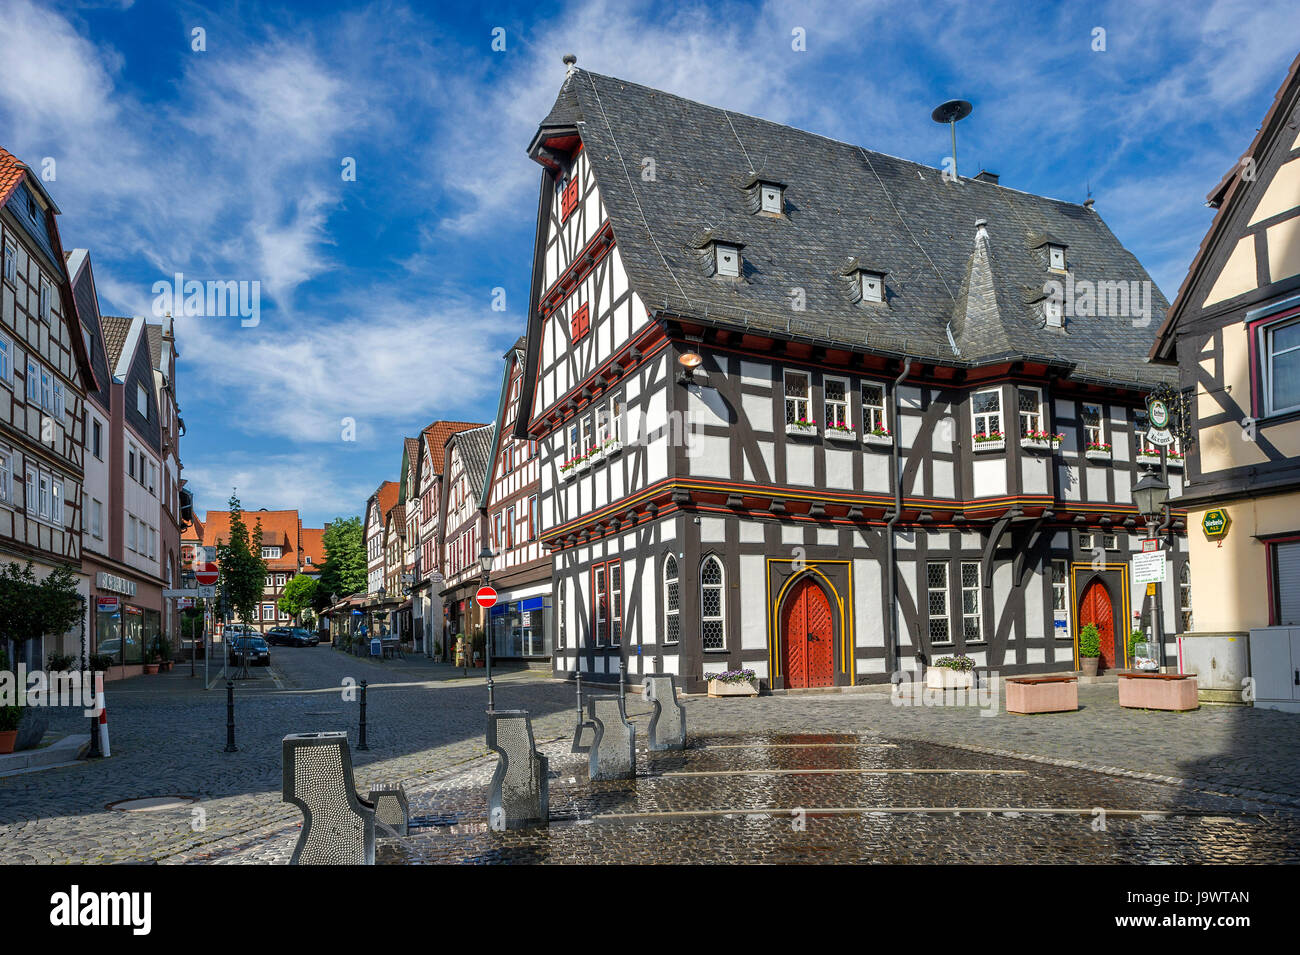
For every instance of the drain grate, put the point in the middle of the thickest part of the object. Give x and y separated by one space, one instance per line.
151 803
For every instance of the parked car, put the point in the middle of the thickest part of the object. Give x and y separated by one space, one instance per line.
279 637
302 637
254 647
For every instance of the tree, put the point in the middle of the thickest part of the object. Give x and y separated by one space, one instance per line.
242 569
31 609
297 596
344 570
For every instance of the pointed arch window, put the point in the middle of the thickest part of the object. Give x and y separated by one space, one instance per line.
672 601
713 619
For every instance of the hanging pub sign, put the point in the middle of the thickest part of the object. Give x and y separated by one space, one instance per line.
1159 419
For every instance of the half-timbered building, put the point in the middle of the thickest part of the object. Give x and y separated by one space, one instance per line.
1234 333
44 375
820 412
468 455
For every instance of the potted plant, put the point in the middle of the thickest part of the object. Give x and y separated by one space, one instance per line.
162 651
1089 649
990 440
10 717
957 672
732 683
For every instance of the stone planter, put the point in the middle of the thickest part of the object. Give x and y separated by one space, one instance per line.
151 668
803 430
1049 694
996 444
1158 691
1088 665
942 678
747 688
878 440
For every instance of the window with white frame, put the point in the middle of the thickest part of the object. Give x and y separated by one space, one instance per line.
672 601
56 502
1109 542
615 603
873 286
1085 542
44 494
874 418
936 575
713 622
1031 411
1053 312
97 518
534 518
47 390
587 433
131 533
1056 257
6 477
573 435
45 299
561 627
11 263
1185 597
59 409
600 605
142 401
1061 597
273 553
279 580
770 197
1280 360
6 360
797 400
986 412
1094 427
29 494
837 404
727 259
602 424
33 383
971 628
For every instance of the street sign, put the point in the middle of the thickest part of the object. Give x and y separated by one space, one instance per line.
1215 522
208 554
174 592
185 603
1150 544
1158 421
1149 568
206 573
486 597
106 604
208 592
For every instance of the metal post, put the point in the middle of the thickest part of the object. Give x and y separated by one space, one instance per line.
361 738
487 647
622 682
95 752
230 718
577 680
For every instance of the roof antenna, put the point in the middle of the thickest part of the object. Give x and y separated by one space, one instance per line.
570 61
950 112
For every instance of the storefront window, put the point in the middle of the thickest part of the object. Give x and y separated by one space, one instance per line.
132 635
151 629
108 632
522 628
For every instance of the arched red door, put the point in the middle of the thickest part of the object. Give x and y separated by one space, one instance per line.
807 635
1095 607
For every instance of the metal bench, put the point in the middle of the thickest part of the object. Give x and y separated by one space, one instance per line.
668 720
392 810
519 794
613 751
338 827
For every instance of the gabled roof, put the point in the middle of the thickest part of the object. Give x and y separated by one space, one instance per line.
312 540
385 496
279 529
475 447
1224 198
841 201
117 329
436 435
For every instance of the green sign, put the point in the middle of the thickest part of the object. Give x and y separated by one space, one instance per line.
1215 522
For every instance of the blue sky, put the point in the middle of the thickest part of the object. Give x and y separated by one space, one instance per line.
376 295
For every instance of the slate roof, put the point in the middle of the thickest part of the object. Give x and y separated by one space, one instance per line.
842 202
154 335
116 329
475 453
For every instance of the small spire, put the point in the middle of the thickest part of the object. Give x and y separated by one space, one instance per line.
571 62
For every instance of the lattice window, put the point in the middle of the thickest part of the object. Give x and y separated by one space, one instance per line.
616 602
837 403
713 623
1031 410
672 602
986 411
600 605
873 408
1185 597
937 584
1094 426
797 401
972 630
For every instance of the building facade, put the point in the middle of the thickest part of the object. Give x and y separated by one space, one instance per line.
468 455
1234 334
779 430
45 373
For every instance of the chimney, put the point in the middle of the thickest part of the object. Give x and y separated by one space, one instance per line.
986 176
1088 203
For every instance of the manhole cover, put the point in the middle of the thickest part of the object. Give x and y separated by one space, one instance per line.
151 803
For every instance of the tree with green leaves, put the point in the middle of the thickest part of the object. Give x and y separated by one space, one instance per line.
344 570
242 569
297 596
30 609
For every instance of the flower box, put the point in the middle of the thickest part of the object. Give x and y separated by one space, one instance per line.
1153 459
595 454
809 430
879 440
582 465
835 434
611 448
1040 444
725 688
943 678
991 444
1049 694
1096 454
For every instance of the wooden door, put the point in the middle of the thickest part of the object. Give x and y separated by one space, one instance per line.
1095 607
808 634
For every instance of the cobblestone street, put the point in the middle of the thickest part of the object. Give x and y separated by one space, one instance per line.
879 782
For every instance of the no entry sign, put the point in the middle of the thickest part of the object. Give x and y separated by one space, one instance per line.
206 573
486 597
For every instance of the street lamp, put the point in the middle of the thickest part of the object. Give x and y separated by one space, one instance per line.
485 558
1151 495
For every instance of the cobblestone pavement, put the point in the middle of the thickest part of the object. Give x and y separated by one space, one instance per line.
426 723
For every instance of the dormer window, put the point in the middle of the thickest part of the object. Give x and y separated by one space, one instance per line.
726 258
1052 312
1056 257
771 197
873 286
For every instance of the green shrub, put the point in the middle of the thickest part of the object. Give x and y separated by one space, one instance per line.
1090 641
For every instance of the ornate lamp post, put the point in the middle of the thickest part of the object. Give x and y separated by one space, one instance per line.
485 559
1151 495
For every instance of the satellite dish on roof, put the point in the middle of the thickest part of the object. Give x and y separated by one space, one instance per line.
950 112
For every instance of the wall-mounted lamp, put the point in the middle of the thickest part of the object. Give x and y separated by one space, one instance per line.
690 361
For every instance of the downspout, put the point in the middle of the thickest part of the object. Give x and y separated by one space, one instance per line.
891 647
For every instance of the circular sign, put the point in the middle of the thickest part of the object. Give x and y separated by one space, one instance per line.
486 597
206 573
1159 413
